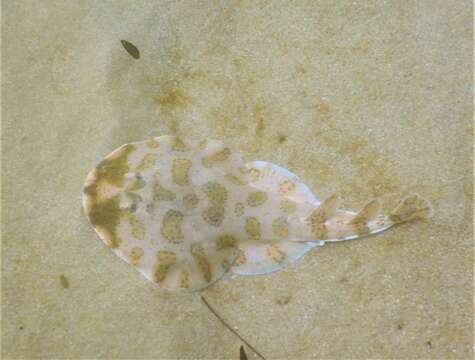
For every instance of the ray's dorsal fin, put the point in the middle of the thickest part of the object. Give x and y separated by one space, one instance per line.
369 212
326 210
329 206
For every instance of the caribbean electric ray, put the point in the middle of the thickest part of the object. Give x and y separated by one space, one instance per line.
184 213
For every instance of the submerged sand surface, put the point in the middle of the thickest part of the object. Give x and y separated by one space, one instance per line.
362 98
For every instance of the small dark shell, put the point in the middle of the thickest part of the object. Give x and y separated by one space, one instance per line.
131 49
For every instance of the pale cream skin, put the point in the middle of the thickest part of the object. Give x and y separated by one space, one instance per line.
184 213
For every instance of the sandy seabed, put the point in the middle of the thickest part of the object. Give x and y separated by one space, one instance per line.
367 99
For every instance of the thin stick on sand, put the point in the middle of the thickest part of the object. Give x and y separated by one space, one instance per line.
230 328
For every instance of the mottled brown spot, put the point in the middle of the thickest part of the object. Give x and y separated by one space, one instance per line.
253 228
241 258
288 206
203 144
201 259
165 260
180 170
136 254
256 198
106 215
217 157
216 193
233 179
114 168
190 201
225 241
137 227
171 226
287 186
63 280
162 194
323 108
275 253
255 174
172 99
179 145
283 299
185 279
150 208
153 144
147 162
137 183
319 231
325 211
225 264
239 209
214 215
316 217
281 138
360 229
280 227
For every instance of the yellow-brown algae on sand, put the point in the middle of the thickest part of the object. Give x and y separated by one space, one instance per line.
183 213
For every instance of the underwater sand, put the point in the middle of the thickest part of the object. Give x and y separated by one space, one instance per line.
365 100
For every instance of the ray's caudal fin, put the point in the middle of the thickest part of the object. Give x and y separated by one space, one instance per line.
412 207
330 224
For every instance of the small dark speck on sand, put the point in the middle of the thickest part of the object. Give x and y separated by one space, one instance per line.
21 328
281 138
283 300
131 49
63 280
429 343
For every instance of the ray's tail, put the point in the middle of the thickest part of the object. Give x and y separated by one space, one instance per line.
330 224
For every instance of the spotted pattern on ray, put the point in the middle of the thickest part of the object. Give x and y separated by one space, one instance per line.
239 209
162 194
288 206
180 171
217 157
136 254
165 259
253 228
172 226
191 201
147 162
257 198
202 260
183 213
